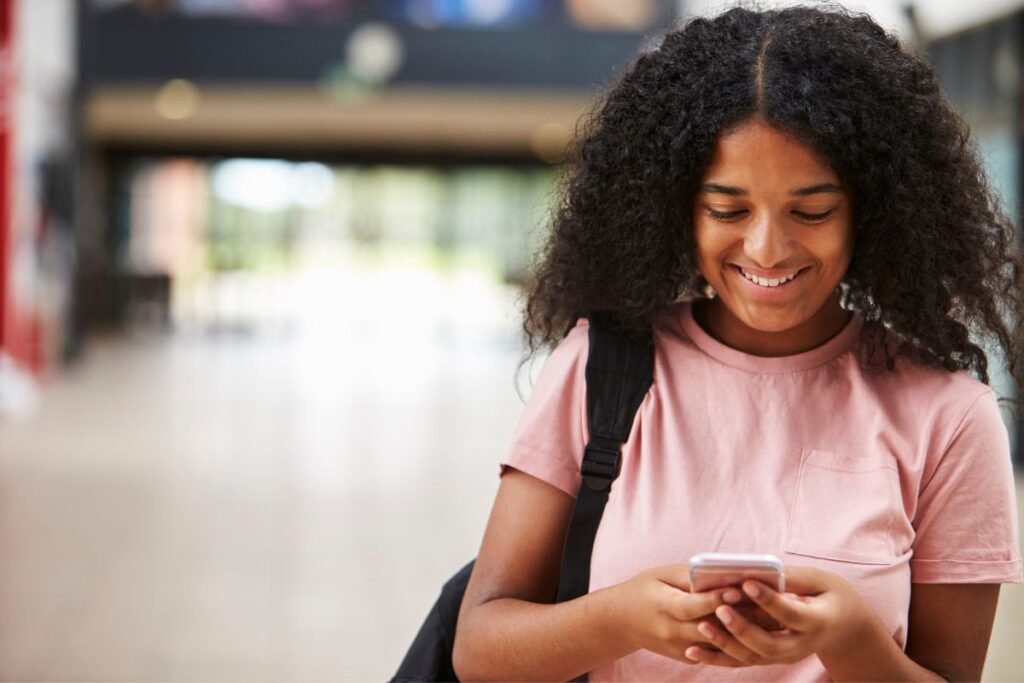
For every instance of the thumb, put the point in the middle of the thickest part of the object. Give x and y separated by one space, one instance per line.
805 580
675 575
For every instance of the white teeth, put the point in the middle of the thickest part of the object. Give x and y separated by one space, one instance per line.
774 282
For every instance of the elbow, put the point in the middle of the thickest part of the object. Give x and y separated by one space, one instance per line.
462 645
469 655
459 664
462 659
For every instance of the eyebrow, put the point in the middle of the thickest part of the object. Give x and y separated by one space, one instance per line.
715 188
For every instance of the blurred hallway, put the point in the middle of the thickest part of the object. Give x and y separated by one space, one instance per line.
268 507
256 508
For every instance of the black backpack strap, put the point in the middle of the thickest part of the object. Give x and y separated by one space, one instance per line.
619 373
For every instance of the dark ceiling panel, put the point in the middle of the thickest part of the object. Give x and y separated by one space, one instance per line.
128 46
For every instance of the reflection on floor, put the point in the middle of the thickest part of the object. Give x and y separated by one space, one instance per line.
265 508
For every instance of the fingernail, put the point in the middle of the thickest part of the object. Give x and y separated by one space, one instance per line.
732 596
691 653
706 630
724 614
752 590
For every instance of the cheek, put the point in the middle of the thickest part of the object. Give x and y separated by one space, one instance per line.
708 248
838 253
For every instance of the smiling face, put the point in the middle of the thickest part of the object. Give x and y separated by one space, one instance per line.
774 234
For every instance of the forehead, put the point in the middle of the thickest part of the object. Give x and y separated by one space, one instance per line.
756 151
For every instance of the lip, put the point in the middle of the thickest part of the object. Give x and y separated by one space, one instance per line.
769 274
776 292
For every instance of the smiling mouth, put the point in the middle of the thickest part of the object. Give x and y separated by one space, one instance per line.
770 283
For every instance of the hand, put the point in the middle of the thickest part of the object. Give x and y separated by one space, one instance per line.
749 611
822 614
660 614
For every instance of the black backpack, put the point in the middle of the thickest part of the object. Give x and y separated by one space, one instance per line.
619 372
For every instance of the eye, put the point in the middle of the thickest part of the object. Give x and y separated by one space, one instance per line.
813 217
725 215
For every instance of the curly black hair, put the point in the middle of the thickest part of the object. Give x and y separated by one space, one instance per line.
936 272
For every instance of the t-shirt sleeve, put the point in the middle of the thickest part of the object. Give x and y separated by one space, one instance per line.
966 521
548 442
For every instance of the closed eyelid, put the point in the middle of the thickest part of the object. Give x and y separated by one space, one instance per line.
815 216
815 210
741 214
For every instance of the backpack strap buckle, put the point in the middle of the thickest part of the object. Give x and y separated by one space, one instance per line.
601 463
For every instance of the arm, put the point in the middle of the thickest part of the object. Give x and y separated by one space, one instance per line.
509 630
505 630
950 627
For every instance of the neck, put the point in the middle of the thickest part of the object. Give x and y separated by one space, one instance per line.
720 323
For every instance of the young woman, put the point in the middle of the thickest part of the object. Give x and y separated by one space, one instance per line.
785 198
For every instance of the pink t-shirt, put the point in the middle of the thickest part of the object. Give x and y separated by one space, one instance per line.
885 479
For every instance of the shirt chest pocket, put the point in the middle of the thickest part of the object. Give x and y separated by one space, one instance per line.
846 507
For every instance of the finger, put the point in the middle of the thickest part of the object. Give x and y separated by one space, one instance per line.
690 606
754 638
702 655
725 642
757 615
753 614
689 632
790 613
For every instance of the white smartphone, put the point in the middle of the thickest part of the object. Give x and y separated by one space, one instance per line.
718 570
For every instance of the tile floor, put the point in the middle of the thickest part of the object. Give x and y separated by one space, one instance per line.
277 507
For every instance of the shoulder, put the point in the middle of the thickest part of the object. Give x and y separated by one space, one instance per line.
563 366
937 388
574 346
945 411
927 387
576 343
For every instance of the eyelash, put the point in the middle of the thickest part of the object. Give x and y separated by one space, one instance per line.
728 215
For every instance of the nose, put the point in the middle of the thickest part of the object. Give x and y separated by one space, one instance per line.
766 242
